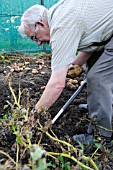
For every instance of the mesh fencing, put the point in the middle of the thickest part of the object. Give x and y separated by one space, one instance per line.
10 14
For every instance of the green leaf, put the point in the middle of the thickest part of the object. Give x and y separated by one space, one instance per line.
5 117
3 57
38 156
81 145
41 164
61 158
66 166
18 140
51 165
96 145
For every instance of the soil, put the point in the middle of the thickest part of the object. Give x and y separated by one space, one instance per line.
18 69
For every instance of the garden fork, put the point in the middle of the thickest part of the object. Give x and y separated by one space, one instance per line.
70 100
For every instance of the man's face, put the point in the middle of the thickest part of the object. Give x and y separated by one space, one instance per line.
40 34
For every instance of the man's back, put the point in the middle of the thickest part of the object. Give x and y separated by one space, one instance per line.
94 16
76 25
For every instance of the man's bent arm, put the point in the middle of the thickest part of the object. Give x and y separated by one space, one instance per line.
53 89
82 57
56 83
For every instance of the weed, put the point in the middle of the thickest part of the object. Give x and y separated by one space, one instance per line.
64 165
5 117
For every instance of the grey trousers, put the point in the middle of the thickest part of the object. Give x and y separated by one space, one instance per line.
100 92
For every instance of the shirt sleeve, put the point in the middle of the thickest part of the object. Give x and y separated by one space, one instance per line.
64 44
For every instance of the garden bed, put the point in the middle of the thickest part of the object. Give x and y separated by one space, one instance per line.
23 78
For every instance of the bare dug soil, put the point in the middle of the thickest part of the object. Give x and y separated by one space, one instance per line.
30 74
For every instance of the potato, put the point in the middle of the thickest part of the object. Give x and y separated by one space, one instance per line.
75 71
70 86
34 71
27 68
73 81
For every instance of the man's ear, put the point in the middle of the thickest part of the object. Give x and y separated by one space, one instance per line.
41 23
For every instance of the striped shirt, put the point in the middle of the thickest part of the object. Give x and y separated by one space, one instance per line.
75 25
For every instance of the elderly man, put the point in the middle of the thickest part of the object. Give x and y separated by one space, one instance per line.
86 26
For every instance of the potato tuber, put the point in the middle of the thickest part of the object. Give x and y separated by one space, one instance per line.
75 71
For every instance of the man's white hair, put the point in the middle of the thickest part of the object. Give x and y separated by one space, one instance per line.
30 17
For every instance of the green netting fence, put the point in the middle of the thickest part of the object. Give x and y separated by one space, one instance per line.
10 14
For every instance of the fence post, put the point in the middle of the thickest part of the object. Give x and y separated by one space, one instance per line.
44 46
42 2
